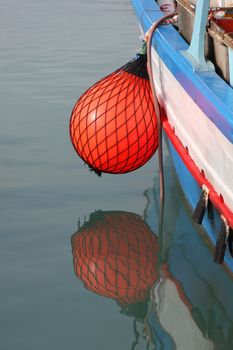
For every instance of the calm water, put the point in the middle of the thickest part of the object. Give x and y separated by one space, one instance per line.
50 52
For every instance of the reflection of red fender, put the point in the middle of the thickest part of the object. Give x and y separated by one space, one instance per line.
115 255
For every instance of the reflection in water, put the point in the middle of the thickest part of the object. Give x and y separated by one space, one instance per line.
177 296
192 304
115 255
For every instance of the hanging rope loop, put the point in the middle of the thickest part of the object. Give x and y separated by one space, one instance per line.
148 38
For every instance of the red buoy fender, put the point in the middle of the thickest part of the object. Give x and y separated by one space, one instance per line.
113 125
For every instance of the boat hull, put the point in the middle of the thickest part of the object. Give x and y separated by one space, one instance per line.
192 191
197 118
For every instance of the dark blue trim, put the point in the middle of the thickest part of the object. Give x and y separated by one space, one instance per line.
211 93
192 191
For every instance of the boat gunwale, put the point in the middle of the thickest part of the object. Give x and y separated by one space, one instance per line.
209 91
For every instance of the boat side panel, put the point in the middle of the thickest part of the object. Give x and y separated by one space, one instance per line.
192 194
208 90
209 149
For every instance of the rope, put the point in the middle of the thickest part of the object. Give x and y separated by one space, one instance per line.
149 37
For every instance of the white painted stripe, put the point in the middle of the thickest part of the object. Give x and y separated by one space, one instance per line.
208 147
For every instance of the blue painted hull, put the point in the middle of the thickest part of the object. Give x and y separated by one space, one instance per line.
208 103
208 90
192 194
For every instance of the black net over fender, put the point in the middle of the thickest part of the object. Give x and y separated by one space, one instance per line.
115 255
113 125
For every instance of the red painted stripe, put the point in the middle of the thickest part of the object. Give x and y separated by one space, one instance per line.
217 200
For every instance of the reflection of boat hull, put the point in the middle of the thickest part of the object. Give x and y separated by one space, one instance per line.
180 326
189 281
198 114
